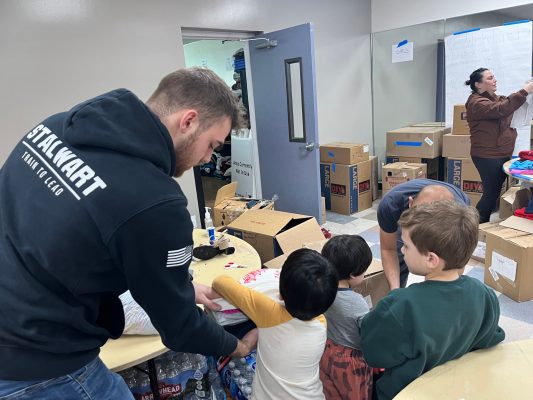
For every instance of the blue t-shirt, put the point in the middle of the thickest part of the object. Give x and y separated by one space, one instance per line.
396 201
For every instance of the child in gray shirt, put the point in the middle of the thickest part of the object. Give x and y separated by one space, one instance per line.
343 369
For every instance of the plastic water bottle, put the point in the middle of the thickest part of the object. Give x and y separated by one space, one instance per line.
247 391
209 226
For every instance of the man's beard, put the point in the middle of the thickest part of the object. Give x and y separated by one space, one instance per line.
184 154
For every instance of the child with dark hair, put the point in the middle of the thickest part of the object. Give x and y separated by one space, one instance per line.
343 369
415 329
291 336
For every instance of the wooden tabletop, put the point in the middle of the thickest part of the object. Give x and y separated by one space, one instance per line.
130 350
501 372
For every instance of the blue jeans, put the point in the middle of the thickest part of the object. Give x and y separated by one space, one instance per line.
91 382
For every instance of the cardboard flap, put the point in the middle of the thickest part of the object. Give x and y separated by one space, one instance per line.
226 192
266 222
518 223
374 267
277 262
294 238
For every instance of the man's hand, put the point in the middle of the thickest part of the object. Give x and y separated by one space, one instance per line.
205 295
246 344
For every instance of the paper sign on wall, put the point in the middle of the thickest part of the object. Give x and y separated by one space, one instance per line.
504 266
402 52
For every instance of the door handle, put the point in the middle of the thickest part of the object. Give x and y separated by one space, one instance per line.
310 146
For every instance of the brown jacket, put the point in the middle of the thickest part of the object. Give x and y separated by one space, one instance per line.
489 118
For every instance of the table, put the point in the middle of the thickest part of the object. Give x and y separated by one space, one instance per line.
501 372
130 350
526 180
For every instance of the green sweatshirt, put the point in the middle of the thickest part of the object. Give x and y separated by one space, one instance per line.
413 330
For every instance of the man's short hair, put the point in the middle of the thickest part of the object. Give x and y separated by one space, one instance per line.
200 89
308 284
349 255
446 228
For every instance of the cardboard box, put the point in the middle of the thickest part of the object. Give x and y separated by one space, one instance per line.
509 262
374 286
481 248
424 141
228 207
396 173
272 233
436 167
434 124
347 188
323 209
374 171
512 200
463 174
344 153
456 146
460 125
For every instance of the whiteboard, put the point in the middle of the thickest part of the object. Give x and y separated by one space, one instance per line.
505 50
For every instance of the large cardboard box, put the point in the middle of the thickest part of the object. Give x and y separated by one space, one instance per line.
228 207
412 141
347 188
344 153
374 170
396 173
512 200
460 125
456 146
463 174
481 248
436 167
374 286
509 262
272 233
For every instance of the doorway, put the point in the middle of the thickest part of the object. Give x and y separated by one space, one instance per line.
281 151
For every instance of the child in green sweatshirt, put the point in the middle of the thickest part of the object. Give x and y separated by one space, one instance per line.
415 329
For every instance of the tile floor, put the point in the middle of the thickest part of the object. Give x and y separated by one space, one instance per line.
516 318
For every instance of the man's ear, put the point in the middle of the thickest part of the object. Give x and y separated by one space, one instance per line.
410 201
188 121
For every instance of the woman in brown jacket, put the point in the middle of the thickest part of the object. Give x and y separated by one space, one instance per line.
492 138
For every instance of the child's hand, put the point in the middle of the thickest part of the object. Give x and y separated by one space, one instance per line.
251 338
246 344
204 295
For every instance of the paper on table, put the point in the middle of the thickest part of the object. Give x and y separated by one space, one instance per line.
504 266
402 53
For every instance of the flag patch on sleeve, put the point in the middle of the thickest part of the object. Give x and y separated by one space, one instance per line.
177 258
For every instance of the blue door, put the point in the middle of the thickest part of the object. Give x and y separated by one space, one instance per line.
284 92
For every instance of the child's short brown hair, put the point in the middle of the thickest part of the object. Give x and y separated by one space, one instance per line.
446 228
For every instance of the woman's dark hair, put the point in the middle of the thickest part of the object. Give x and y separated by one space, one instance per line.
475 77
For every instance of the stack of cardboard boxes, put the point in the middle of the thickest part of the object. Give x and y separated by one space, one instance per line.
461 171
418 143
346 177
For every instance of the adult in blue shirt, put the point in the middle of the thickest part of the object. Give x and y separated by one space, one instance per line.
391 207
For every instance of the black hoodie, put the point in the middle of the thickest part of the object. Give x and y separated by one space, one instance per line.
89 209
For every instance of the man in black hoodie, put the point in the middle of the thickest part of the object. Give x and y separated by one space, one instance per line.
88 210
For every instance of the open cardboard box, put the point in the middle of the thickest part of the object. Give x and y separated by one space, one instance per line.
229 207
512 200
272 233
374 286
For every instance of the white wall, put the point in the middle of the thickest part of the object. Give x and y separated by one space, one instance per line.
57 52
213 54
391 14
